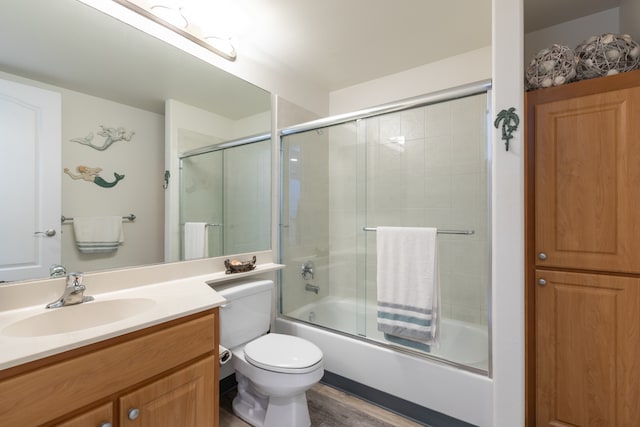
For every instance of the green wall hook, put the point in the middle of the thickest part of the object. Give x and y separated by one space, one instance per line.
510 122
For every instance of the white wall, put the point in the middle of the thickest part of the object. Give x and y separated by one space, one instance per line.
451 72
573 32
508 219
630 18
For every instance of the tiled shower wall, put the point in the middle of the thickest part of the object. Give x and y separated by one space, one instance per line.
425 167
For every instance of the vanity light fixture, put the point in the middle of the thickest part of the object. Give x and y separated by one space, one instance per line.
170 14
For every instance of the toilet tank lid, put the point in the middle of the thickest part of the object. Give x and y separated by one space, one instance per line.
243 288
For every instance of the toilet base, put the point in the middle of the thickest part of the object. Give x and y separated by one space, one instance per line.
262 411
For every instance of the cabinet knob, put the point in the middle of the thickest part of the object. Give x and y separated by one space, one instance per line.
542 256
133 413
106 424
542 282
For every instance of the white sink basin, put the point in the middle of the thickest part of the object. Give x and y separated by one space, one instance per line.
78 317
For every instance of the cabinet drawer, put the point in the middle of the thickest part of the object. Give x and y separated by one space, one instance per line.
79 381
94 418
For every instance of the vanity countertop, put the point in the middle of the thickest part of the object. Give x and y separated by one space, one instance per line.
29 331
148 305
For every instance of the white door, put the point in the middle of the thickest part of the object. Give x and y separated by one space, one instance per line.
30 170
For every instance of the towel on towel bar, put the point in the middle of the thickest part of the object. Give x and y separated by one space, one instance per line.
408 285
195 240
98 234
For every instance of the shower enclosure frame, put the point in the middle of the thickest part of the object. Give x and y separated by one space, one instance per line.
481 87
221 146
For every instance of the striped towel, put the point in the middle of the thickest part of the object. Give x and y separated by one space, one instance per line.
98 234
408 285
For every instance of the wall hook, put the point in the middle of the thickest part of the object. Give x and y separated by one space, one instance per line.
167 175
510 122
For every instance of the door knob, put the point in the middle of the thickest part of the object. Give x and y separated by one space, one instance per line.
542 256
106 424
49 233
542 282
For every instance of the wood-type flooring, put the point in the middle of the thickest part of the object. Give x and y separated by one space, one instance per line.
329 407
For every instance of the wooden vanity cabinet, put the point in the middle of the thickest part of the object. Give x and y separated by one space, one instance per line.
165 375
582 219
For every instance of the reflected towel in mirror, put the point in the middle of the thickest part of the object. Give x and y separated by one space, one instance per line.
195 240
98 234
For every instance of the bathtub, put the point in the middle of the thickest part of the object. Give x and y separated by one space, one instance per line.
451 379
461 343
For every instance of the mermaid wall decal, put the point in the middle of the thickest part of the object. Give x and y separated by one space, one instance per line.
110 135
92 175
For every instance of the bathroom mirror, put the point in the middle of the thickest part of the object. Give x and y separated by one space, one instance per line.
115 79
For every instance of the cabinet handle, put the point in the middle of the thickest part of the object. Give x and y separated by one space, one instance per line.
542 282
542 256
133 413
106 424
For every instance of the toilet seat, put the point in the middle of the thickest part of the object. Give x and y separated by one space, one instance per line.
283 353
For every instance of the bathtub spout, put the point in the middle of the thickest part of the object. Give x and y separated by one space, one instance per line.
311 288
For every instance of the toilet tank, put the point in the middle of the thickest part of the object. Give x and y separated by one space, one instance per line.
247 313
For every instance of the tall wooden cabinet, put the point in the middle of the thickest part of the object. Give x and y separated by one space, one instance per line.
583 253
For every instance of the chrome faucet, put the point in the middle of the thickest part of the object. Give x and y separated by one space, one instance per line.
57 270
73 292
311 288
306 271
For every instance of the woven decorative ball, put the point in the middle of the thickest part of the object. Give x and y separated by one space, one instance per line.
551 67
607 54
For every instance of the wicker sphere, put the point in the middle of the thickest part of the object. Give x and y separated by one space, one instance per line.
607 54
551 67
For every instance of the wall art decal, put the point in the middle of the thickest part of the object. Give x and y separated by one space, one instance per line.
92 175
110 135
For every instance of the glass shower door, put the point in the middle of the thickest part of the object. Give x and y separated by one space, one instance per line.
201 198
319 229
230 190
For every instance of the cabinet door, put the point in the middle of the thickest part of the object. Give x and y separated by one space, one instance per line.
587 347
98 417
185 398
587 182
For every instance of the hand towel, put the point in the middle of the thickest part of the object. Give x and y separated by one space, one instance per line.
195 240
98 234
408 285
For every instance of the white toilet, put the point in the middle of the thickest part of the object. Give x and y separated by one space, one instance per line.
273 370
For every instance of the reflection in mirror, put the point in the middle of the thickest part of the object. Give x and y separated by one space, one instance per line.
110 76
225 199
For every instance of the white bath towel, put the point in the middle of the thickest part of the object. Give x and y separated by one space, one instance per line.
408 284
195 240
98 234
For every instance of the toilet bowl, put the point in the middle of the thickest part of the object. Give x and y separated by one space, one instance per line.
273 371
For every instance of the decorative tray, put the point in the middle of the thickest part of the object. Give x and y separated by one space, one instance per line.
235 266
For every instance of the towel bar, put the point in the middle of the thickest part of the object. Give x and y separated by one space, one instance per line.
130 217
465 232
